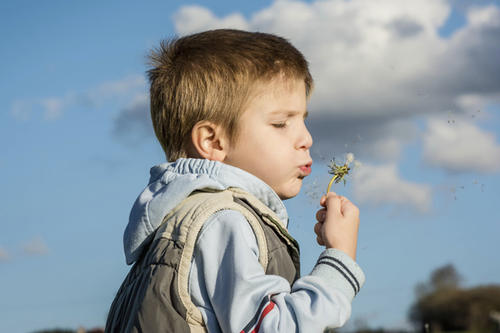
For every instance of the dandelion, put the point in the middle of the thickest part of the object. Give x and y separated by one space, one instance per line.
341 170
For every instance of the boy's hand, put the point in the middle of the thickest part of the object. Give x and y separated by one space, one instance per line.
338 224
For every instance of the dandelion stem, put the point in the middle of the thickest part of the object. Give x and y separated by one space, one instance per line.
330 184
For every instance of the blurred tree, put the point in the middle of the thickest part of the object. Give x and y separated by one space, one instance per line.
445 277
444 306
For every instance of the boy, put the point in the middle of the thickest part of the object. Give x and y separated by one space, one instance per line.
208 235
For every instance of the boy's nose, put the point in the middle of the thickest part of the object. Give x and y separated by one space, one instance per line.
305 140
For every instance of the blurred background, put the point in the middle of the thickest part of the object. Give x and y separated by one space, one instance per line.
411 88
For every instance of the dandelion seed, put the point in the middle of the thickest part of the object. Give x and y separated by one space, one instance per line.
450 118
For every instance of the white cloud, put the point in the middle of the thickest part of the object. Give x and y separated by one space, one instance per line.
36 246
378 63
460 146
388 139
4 255
373 138
474 101
117 88
480 16
195 18
353 46
383 185
54 107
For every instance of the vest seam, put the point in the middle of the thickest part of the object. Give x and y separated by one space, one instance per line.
199 214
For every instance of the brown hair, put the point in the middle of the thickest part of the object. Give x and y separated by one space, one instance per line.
210 76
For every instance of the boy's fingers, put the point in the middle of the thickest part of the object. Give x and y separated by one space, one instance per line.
317 229
333 205
322 201
344 203
350 210
321 214
347 208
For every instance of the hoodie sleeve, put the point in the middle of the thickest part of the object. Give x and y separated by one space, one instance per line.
234 294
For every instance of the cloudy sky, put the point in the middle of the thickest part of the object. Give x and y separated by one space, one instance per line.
412 88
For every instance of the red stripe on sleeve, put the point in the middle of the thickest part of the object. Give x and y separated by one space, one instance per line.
266 310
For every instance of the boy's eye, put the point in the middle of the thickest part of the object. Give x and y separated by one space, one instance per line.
280 125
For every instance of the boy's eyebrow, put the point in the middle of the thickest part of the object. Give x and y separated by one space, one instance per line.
290 113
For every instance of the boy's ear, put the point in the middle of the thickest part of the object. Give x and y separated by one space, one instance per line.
208 141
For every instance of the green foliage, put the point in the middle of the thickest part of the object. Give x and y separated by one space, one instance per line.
445 277
446 307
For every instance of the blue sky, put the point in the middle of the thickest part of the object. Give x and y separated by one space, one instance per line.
411 88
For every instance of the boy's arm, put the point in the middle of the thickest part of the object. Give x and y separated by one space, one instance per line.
235 295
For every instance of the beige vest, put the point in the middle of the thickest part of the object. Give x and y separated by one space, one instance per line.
154 296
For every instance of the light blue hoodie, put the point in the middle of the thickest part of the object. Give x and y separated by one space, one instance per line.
226 281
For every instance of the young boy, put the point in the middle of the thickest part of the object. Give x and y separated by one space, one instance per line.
208 235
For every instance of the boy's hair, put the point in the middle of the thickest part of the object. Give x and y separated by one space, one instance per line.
210 76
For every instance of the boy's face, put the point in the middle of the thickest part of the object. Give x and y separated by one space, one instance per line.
273 141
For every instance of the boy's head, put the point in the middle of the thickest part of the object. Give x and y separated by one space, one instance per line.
213 76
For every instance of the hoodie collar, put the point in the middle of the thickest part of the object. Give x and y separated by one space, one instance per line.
170 183
226 175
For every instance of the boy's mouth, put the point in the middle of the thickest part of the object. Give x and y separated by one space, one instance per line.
306 169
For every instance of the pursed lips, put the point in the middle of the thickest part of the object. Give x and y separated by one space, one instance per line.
305 170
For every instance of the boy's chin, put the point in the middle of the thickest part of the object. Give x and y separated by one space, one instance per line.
286 197
289 194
